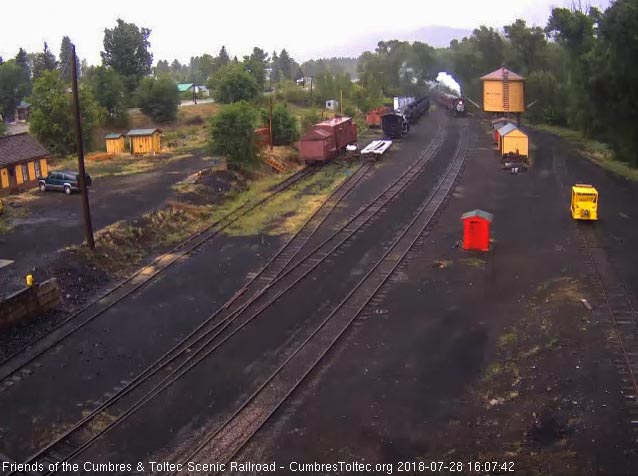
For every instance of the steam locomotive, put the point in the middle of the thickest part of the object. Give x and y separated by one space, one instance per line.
397 123
451 102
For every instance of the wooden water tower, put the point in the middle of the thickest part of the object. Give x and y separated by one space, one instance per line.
504 93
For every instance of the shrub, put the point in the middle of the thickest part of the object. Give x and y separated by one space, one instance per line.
232 133
284 125
158 99
309 119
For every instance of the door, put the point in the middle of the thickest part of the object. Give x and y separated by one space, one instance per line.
13 180
55 181
475 242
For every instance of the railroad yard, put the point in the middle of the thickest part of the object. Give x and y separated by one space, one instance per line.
368 335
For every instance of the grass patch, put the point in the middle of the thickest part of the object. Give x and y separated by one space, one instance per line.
477 263
507 340
287 212
500 369
598 152
563 289
11 212
117 166
122 246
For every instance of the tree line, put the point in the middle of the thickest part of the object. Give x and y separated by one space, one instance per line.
579 70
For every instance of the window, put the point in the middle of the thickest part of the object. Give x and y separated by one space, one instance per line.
38 172
25 173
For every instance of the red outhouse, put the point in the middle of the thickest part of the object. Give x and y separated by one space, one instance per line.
476 230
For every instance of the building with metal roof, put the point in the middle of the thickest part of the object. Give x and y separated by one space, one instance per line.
22 162
503 91
144 141
115 143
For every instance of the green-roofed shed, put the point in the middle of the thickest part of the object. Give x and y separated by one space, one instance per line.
145 141
183 87
476 230
478 213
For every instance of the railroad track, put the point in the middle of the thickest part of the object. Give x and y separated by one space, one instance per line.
613 302
15 367
210 335
236 431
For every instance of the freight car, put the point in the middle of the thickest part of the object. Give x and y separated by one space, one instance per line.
373 118
395 125
327 139
343 128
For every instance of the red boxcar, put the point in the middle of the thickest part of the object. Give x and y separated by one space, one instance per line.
373 118
343 129
318 145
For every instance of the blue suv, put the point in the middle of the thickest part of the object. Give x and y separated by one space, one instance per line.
62 180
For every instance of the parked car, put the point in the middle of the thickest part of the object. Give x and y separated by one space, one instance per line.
62 180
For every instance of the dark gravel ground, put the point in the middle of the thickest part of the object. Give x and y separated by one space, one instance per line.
474 357
617 227
54 220
129 336
80 282
190 407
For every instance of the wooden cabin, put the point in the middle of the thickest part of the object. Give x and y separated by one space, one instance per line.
503 91
145 141
115 144
22 162
23 112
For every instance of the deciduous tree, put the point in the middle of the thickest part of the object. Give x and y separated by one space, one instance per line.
108 89
127 51
52 120
158 99
233 84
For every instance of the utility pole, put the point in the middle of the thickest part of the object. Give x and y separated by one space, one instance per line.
270 119
341 103
311 91
88 227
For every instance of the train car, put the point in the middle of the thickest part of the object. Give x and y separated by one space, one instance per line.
373 118
343 128
454 104
317 146
327 139
395 125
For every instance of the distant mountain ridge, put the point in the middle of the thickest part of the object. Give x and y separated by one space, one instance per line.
434 35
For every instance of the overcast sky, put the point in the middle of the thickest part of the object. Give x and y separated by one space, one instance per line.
184 29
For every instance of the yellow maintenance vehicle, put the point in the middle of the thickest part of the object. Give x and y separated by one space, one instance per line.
584 202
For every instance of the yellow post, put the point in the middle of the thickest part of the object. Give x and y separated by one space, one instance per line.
30 281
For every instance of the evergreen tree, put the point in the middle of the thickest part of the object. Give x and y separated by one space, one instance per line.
44 61
285 64
256 64
22 60
275 73
65 59
223 59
